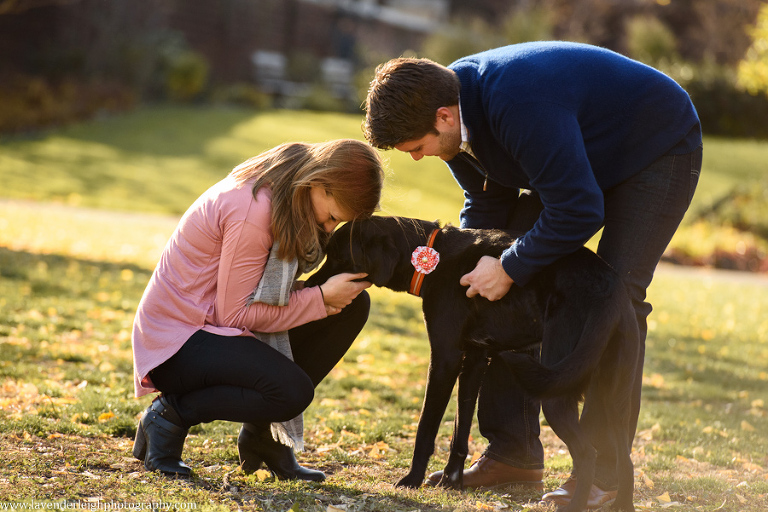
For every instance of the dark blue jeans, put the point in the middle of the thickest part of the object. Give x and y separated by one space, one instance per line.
238 378
641 215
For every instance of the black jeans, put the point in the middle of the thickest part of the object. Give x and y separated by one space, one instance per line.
239 378
641 215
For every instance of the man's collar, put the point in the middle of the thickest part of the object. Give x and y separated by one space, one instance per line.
465 146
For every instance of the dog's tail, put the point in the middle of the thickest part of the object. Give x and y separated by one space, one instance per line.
572 373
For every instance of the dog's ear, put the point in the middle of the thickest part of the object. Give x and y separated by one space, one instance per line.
380 260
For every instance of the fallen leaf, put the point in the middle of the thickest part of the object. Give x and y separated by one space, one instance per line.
664 498
649 483
746 426
106 416
262 474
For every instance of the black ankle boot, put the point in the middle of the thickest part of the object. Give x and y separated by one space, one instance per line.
255 445
247 443
159 442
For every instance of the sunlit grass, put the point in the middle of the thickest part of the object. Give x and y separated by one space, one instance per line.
159 160
71 278
65 381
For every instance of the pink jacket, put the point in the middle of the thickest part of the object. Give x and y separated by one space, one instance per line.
211 264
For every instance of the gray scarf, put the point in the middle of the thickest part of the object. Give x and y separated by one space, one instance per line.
275 289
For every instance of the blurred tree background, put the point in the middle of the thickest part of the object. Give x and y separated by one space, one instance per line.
67 60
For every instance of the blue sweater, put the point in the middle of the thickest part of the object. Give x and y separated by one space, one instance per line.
569 121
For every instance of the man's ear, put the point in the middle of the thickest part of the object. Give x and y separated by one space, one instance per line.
446 117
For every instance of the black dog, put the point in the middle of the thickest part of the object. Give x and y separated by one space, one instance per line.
577 309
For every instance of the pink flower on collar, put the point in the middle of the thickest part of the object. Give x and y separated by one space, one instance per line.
425 259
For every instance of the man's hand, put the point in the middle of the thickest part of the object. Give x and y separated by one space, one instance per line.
487 280
340 290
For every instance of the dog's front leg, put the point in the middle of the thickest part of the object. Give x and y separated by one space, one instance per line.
473 368
444 369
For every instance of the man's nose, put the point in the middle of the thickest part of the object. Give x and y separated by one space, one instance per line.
417 156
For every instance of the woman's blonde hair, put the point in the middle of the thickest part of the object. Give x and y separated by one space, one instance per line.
350 170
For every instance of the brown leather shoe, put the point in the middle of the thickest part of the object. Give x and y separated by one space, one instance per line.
562 495
487 473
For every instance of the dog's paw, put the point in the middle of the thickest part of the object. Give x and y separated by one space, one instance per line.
623 507
450 481
410 481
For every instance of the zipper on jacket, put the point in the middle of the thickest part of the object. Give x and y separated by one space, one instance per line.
476 165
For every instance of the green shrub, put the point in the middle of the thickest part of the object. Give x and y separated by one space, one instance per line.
650 41
32 103
186 75
745 208
321 99
242 94
724 108
753 70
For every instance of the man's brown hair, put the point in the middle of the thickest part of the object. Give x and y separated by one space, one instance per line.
403 99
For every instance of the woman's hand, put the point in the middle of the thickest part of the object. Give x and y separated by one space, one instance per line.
340 290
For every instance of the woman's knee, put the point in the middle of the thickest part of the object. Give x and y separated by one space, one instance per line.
357 311
294 397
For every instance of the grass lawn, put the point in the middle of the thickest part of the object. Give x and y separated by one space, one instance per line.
92 207
160 160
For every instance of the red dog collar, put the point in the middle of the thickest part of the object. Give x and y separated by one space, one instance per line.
424 260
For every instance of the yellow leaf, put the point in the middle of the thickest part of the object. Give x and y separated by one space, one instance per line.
106 416
746 426
378 450
664 498
655 380
649 483
262 474
365 359
106 367
475 456
758 403
482 506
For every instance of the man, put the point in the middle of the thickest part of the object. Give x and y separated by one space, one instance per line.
554 140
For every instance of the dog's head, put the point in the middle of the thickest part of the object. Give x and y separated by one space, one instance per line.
379 246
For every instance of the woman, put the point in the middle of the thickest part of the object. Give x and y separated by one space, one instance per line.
193 335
